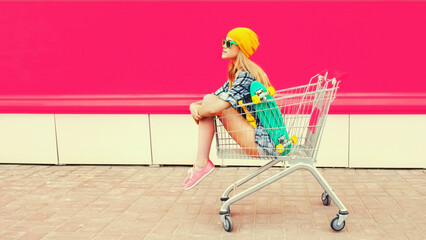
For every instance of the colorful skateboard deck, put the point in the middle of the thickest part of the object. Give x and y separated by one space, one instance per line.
270 116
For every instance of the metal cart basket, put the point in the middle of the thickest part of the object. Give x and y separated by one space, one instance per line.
304 110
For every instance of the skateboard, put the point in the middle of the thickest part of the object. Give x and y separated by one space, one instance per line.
270 116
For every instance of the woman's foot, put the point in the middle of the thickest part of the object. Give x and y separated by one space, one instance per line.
189 174
194 176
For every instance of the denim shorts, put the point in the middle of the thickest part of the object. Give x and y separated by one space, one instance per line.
262 151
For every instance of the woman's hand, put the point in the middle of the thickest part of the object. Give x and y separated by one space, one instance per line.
194 112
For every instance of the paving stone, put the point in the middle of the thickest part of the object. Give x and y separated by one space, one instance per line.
138 202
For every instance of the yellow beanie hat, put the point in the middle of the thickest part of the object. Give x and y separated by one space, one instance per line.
247 40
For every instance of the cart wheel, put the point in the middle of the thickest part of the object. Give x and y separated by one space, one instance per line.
335 226
228 224
271 91
255 99
325 198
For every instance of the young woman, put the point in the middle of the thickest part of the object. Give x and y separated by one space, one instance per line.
239 45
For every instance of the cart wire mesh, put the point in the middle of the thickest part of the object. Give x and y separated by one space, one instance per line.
303 109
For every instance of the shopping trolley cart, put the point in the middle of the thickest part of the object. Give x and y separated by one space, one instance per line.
304 111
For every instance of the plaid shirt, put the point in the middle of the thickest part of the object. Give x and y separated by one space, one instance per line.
240 90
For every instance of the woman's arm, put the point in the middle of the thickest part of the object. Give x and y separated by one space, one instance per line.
197 103
216 105
193 107
213 107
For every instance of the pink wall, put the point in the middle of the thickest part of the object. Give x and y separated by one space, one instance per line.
122 57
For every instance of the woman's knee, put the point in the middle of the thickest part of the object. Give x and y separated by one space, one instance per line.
229 112
208 98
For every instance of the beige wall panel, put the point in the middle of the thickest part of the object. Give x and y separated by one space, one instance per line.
388 141
334 146
174 140
27 138
103 139
184 132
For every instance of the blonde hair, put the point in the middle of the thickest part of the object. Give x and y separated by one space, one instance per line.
243 63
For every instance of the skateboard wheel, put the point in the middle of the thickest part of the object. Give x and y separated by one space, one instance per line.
294 139
255 99
271 91
280 148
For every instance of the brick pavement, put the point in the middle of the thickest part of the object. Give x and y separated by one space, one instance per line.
140 202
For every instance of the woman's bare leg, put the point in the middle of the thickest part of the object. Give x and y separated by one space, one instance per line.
205 136
236 125
240 130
